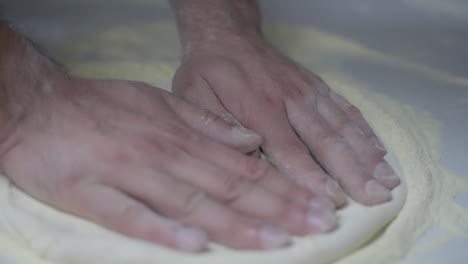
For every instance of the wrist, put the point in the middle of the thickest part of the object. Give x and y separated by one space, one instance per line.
220 21
27 80
222 39
207 31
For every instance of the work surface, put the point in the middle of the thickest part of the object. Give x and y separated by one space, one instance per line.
419 32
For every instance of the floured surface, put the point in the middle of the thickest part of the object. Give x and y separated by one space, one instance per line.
412 137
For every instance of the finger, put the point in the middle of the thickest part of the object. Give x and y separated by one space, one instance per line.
117 211
292 158
366 152
199 92
195 208
335 155
239 82
253 169
216 127
250 198
356 116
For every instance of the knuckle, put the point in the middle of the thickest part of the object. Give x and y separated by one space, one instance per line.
343 124
323 88
327 139
317 79
160 151
65 185
182 135
181 132
133 221
295 190
289 150
339 99
126 218
283 210
320 179
132 211
175 131
256 169
234 187
353 110
268 101
297 94
315 180
327 136
189 203
318 83
193 139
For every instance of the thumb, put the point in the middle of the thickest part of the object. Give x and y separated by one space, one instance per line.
211 119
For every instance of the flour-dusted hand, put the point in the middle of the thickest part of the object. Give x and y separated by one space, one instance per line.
310 133
141 161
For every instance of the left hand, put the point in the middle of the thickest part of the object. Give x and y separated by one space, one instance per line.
311 133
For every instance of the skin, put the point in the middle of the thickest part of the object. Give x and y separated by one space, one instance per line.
158 167
310 133
141 161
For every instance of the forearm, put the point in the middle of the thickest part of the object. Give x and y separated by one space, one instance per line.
26 78
206 20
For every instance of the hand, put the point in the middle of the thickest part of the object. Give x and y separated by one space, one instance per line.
150 165
311 134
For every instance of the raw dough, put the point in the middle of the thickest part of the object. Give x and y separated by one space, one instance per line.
64 238
28 227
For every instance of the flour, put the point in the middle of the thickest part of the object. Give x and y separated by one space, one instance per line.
431 189
148 53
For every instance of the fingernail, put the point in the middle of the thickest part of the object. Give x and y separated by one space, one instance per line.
271 237
378 144
376 190
190 239
336 193
384 171
321 221
244 132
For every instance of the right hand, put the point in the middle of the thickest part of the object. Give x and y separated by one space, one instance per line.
140 161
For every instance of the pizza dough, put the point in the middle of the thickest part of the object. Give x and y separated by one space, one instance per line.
35 233
64 238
